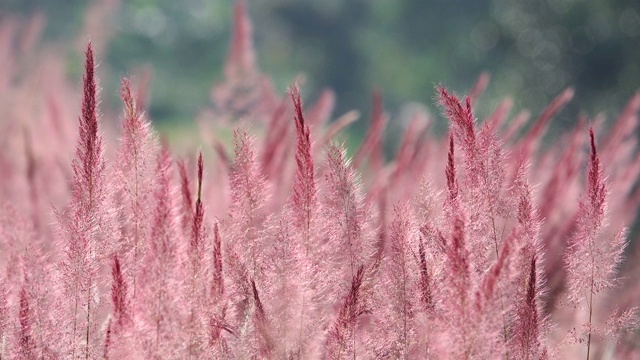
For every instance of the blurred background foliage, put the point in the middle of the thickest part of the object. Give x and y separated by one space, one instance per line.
532 49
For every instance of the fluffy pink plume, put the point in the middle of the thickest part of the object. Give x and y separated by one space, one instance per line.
592 260
84 228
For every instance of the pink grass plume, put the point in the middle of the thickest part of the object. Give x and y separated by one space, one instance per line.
186 196
85 223
304 186
197 226
479 87
134 170
241 59
249 196
217 285
26 344
592 261
341 341
119 294
371 146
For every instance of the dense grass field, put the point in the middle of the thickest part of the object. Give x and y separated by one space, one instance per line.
271 242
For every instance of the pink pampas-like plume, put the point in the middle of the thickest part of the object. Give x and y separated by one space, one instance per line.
246 92
304 187
372 144
347 224
529 326
186 196
163 244
158 309
337 126
89 160
138 146
198 276
4 310
249 196
197 225
450 172
481 190
341 341
406 156
265 341
591 261
84 226
286 274
322 109
425 282
273 142
580 259
456 248
119 333
463 128
241 60
479 87
529 143
119 294
345 204
26 345
304 207
43 297
398 306
107 341
217 283
497 118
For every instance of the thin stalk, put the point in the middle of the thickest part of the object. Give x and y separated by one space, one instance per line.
351 256
75 322
307 225
135 216
40 327
504 325
86 347
590 308
348 233
284 288
159 300
404 307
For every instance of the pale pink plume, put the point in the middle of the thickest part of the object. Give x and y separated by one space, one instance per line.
84 226
304 186
134 172
591 259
